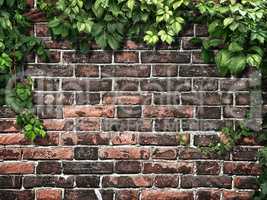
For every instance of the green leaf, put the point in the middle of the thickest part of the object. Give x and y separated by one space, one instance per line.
237 64
227 21
235 47
130 4
254 60
222 59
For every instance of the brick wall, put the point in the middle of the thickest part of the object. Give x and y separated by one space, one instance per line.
125 125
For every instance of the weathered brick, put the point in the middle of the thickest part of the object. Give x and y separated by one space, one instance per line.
235 112
163 181
88 124
201 98
10 182
86 85
84 98
165 57
17 194
165 70
86 153
51 139
208 112
88 111
142 125
51 194
87 181
243 153
53 98
50 70
208 168
48 181
246 183
58 124
87 71
127 167
188 153
55 153
129 112
206 181
92 57
198 71
164 153
124 138
41 29
124 153
126 85
163 85
87 167
50 111
205 84
208 194
85 138
127 181
168 167
126 99
13 139
126 57
80 194
126 71
17 168
205 140
48 167
167 125
53 57
244 168
166 195
234 85
234 195
158 139
8 125
6 112
168 111
166 99
243 98
10 153
126 195
205 125
46 84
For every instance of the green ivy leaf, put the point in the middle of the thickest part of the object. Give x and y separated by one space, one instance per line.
235 47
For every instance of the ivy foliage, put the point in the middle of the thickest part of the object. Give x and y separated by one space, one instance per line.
238 30
16 44
109 22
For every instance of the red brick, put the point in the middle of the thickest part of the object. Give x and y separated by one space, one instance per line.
208 168
127 195
55 153
48 194
124 138
10 153
164 57
246 183
127 181
164 181
168 167
166 195
16 168
243 168
165 70
12 139
58 124
126 99
164 153
233 195
168 111
126 57
42 30
87 71
127 167
88 124
8 126
89 111
208 195
132 153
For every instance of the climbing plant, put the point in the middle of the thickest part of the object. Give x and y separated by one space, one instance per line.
16 44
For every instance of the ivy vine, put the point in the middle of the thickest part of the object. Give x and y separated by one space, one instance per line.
16 44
